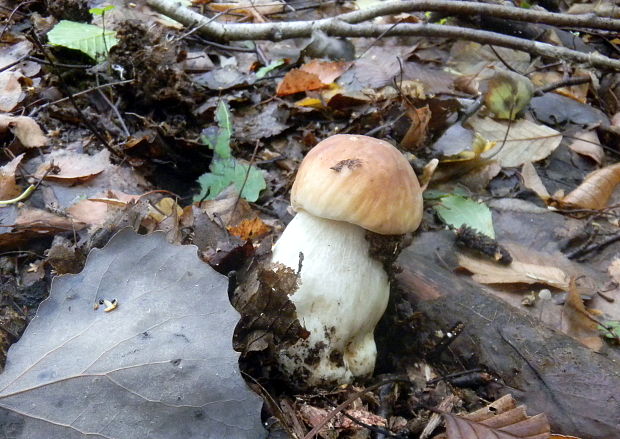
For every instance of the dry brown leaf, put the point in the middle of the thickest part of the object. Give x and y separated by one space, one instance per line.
253 8
577 92
587 143
526 141
10 90
95 211
75 168
25 129
297 81
315 415
595 190
8 187
581 325
249 229
164 208
487 272
326 71
501 419
416 134
44 221
532 181
614 269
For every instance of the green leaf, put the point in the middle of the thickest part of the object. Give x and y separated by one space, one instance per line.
101 11
272 66
225 172
86 38
221 142
611 329
456 210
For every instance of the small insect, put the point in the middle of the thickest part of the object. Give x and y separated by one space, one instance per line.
110 305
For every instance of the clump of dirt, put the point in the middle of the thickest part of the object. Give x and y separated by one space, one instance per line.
74 10
151 62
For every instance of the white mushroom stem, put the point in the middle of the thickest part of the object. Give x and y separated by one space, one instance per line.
342 296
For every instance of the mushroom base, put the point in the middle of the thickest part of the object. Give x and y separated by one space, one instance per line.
342 296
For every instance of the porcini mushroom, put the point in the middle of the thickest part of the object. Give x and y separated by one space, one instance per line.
346 185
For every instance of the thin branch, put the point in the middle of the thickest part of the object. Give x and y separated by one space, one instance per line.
337 27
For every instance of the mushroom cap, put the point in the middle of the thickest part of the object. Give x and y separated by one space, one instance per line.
359 180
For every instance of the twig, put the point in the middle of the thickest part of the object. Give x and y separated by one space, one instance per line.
345 404
341 26
564 83
10 17
116 112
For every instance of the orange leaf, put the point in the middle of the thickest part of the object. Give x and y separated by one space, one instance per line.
249 229
297 81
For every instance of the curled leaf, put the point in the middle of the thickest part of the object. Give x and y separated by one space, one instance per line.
508 94
594 192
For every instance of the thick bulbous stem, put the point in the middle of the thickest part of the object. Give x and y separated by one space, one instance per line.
342 296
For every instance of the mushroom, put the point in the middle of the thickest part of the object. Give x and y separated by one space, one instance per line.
346 186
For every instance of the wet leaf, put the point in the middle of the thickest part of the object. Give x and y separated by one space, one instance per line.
526 140
87 38
225 172
456 210
160 364
594 192
508 94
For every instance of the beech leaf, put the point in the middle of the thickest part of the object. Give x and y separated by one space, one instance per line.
502 419
159 364
594 192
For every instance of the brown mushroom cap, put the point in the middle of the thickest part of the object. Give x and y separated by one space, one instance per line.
359 180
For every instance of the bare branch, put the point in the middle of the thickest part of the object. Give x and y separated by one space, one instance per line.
337 27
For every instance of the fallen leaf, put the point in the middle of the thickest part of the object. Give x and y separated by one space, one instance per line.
255 8
326 71
10 90
250 229
416 134
508 94
457 211
25 129
164 208
526 141
8 187
159 365
581 325
588 144
74 167
594 192
502 419
487 272
614 269
297 81
532 181
96 210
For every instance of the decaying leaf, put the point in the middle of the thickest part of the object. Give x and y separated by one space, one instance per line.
487 272
595 190
526 141
315 415
614 269
588 144
160 364
74 168
8 186
508 94
532 181
25 129
502 419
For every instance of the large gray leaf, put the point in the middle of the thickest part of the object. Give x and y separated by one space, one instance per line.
161 365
